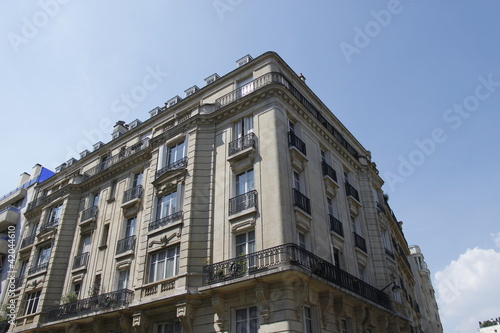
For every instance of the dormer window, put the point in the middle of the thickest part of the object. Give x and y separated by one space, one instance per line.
134 124
98 145
154 112
191 90
84 153
246 59
211 78
171 102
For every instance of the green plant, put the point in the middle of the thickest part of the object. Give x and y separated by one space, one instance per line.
69 297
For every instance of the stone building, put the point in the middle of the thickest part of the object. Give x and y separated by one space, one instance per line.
245 206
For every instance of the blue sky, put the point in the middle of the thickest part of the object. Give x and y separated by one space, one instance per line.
396 73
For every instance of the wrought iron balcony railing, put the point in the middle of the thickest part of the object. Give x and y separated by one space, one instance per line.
27 241
81 260
125 244
336 225
301 201
328 171
359 242
242 143
242 202
165 220
132 150
278 78
351 191
89 213
294 141
179 164
290 255
49 224
99 303
39 268
133 193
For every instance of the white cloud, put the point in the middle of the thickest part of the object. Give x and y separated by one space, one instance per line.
496 239
467 290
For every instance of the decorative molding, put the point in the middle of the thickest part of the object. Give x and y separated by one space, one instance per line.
125 322
165 240
140 322
326 305
185 313
218 303
261 293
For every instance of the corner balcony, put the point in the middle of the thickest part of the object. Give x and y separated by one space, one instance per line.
301 201
245 203
177 165
90 306
336 225
8 217
164 221
276 259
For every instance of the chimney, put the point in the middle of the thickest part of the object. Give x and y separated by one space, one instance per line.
302 77
119 129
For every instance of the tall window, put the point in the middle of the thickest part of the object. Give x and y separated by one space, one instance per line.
167 205
164 264
245 182
95 200
355 226
171 327
302 240
32 302
105 234
43 255
130 227
308 325
245 243
54 215
175 153
137 179
291 126
243 127
332 207
337 258
123 277
85 244
22 268
296 181
343 326
77 287
246 320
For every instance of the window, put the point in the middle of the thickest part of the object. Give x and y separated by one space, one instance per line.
343 326
246 320
95 200
164 264
302 240
167 205
243 127
172 327
54 215
105 234
291 126
96 287
386 239
323 156
296 181
346 177
77 287
22 268
85 244
245 243
338 258
137 179
175 153
362 273
245 182
32 302
332 207
307 320
355 226
123 277
43 255
130 227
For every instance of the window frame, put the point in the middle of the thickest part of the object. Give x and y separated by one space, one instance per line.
31 303
154 273
251 317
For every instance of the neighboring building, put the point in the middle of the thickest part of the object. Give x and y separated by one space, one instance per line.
245 206
426 300
489 326
12 207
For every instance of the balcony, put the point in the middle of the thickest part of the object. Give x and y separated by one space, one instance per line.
81 260
301 201
132 194
126 244
294 141
37 269
8 216
27 241
359 242
243 202
328 171
336 226
89 215
122 155
177 165
49 225
291 255
165 221
351 191
240 144
100 303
